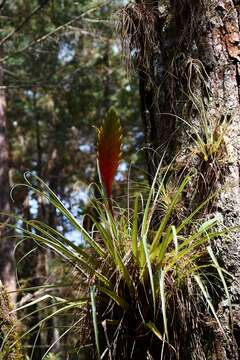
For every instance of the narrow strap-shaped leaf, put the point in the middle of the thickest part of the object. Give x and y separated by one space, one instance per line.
150 272
163 301
168 214
208 300
151 326
220 272
135 229
115 297
58 204
94 317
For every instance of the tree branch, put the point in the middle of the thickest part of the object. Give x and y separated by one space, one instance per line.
53 32
2 4
24 22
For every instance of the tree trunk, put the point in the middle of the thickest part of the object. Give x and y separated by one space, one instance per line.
53 174
7 268
188 60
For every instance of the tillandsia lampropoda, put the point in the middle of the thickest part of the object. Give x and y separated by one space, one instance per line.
109 151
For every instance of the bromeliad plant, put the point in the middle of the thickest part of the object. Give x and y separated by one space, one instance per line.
147 288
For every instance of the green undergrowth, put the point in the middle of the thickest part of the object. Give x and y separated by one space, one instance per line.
151 277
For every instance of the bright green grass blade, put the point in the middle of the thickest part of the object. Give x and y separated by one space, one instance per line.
25 255
163 301
106 237
187 250
195 240
175 238
77 304
151 326
68 255
142 257
47 231
42 308
169 212
79 262
70 328
94 317
118 260
57 203
112 223
54 235
36 301
149 211
208 299
208 224
123 269
159 251
114 296
188 245
13 328
135 229
188 219
163 246
219 270
150 273
146 219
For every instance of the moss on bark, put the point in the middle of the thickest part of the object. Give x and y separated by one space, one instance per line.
11 346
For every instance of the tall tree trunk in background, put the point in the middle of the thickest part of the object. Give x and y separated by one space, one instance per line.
107 79
35 265
188 60
7 268
53 176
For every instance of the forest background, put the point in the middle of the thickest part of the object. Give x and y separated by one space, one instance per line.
159 262
61 70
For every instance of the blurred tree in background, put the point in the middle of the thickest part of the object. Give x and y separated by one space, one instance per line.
61 69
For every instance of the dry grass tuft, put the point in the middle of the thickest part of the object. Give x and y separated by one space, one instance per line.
137 26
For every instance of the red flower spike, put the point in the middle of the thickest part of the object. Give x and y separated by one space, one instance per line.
109 149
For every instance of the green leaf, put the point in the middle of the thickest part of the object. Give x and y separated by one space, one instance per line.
208 299
169 212
135 229
150 325
163 301
220 272
114 296
94 317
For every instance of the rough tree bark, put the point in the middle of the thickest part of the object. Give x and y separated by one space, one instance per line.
188 60
7 268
